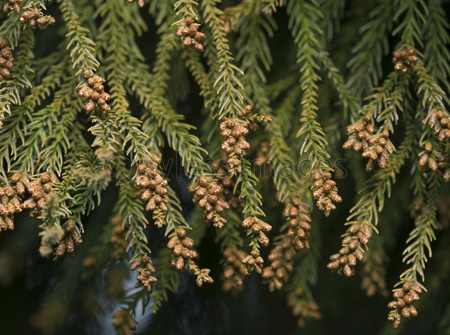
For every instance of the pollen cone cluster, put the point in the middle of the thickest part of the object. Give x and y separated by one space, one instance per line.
6 60
436 161
94 93
145 269
375 147
14 197
152 190
12 6
352 250
235 271
36 18
404 60
124 322
192 37
325 192
208 195
71 238
402 306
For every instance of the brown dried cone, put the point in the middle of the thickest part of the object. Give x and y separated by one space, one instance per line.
227 183
302 308
192 37
325 192
439 121
71 238
254 261
118 237
373 280
6 60
435 160
234 143
123 321
145 269
141 3
208 195
235 271
404 60
12 5
375 147
357 236
402 306
152 190
94 93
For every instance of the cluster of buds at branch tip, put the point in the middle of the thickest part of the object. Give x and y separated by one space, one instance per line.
192 37
375 147
435 160
12 197
36 18
302 308
124 322
152 188
207 193
235 271
141 3
263 154
145 269
6 60
118 237
402 306
325 192
352 250
404 60
71 238
94 92
373 280
12 6
439 121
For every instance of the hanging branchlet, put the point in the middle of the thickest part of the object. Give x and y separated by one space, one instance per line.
146 269
374 145
235 271
152 190
302 308
6 60
325 192
12 6
93 91
141 3
405 60
124 322
208 195
402 306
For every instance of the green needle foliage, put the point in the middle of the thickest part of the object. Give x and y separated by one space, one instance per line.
148 138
